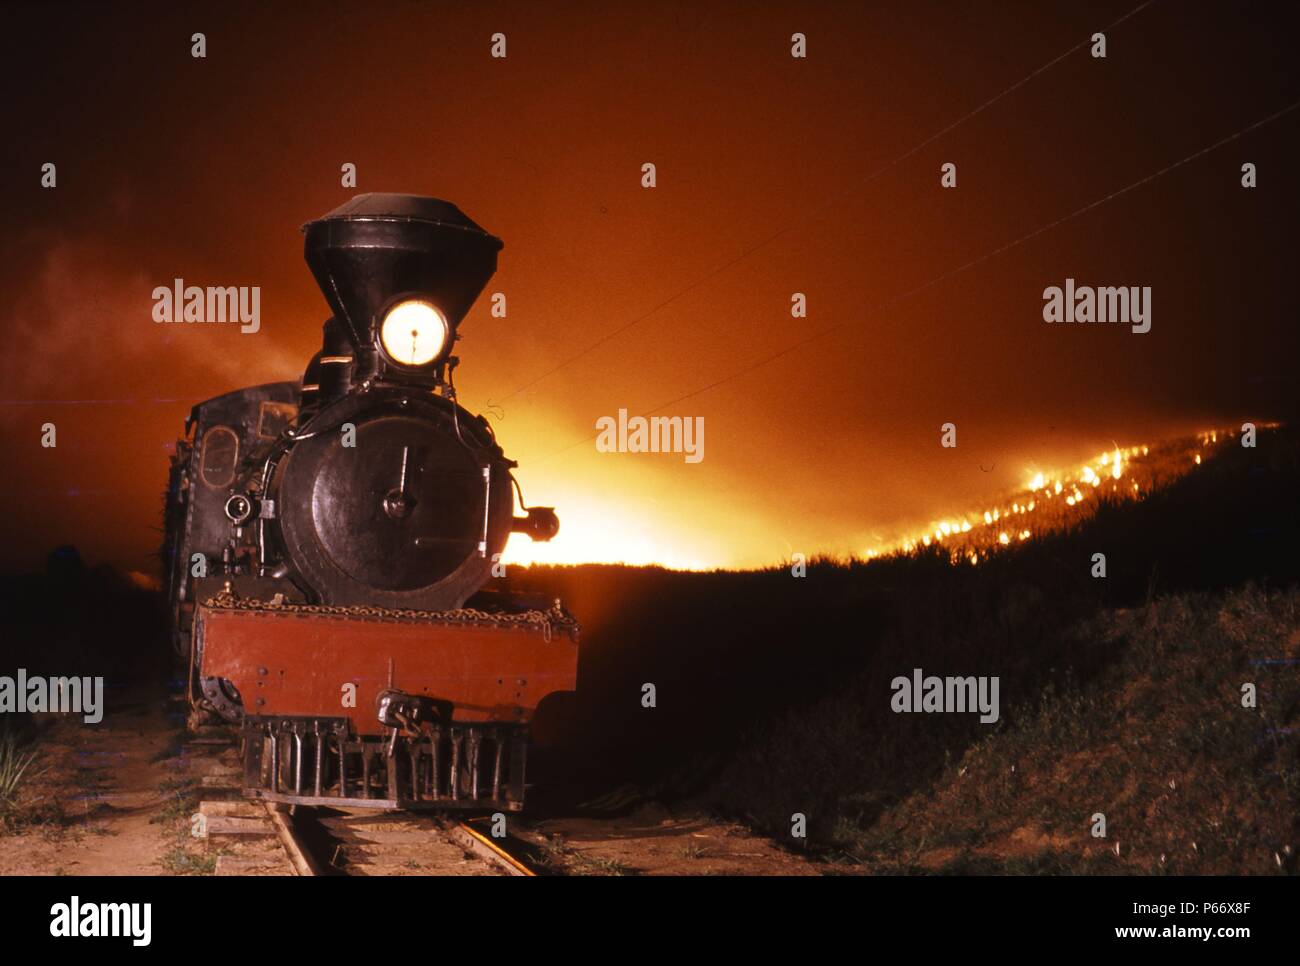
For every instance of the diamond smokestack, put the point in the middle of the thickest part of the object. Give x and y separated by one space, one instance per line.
377 247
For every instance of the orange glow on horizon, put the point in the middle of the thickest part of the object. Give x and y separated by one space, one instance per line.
621 521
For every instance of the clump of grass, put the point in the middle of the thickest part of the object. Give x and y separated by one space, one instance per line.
555 850
182 861
180 800
46 814
15 763
16 769
558 854
583 864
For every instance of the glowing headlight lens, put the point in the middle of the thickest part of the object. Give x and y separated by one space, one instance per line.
413 332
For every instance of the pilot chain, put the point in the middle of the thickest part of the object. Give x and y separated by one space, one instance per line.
548 621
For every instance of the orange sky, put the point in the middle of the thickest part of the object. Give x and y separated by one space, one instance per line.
204 169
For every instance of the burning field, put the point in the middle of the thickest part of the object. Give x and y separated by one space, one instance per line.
1056 501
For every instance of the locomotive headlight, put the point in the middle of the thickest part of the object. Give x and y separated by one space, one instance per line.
414 332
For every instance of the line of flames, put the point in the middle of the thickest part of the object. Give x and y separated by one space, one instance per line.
983 532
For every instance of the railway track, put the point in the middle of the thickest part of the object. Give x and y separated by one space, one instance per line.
330 841
323 841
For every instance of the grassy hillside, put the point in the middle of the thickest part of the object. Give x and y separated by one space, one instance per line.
1189 780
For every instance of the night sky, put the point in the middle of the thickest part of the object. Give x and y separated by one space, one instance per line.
775 175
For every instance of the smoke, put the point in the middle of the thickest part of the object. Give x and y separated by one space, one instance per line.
86 333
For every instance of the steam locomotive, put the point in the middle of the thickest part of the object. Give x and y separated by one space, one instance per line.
327 542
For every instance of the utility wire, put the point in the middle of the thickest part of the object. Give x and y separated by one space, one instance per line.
893 300
834 199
